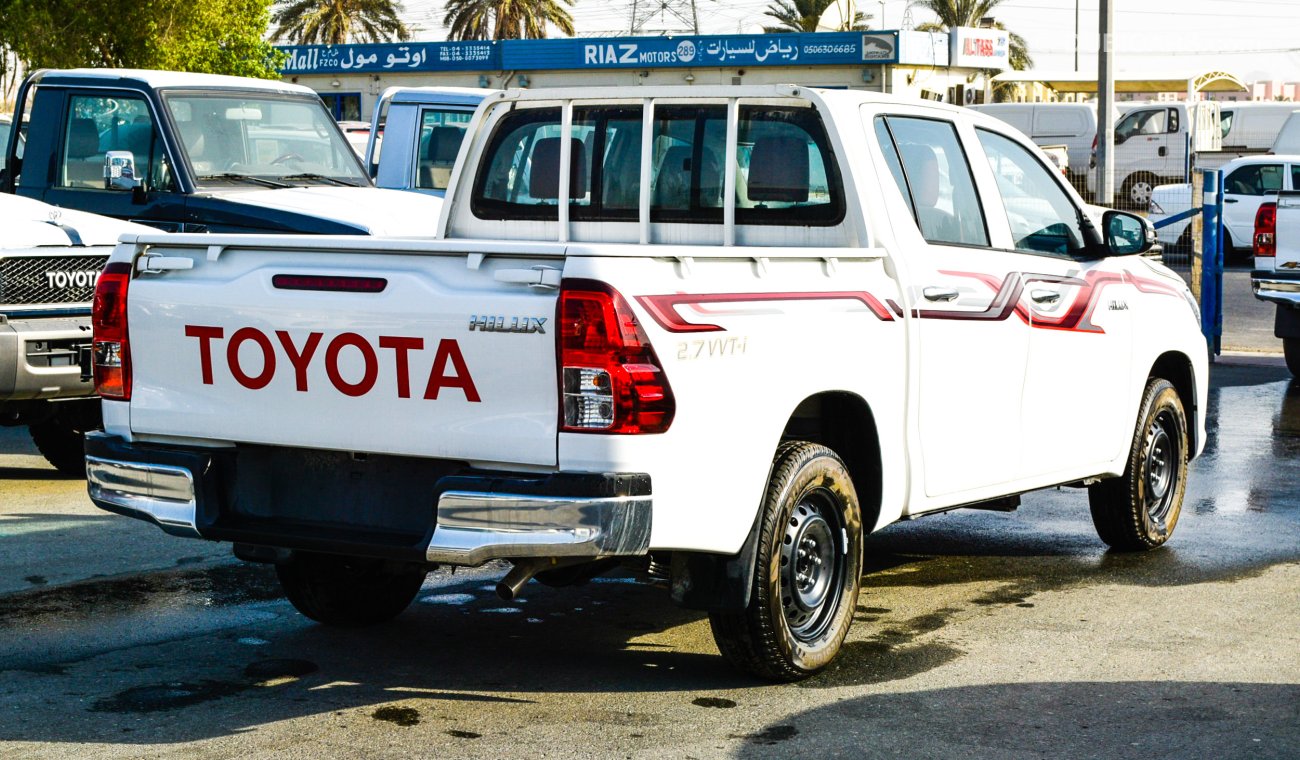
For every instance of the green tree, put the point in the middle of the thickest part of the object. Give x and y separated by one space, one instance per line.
334 22
212 36
506 19
803 15
954 13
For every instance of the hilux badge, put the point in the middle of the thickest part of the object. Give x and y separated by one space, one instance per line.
497 323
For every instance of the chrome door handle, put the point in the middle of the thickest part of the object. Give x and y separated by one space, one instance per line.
1045 296
939 294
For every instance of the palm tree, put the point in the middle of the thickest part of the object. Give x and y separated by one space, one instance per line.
334 22
506 19
803 15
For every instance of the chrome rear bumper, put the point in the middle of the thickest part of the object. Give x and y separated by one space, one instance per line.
476 527
159 493
1276 290
450 514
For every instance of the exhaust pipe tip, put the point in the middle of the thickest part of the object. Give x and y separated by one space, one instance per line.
508 588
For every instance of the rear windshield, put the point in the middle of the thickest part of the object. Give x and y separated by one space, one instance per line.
785 173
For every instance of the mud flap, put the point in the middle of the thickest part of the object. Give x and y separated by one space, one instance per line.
716 582
1287 322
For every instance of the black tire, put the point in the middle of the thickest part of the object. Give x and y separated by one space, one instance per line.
348 592
806 572
1138 510
62 446
1291 349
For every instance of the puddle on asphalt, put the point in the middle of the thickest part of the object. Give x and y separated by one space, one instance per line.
221 586
175 695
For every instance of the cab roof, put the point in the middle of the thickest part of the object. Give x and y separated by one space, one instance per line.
153 79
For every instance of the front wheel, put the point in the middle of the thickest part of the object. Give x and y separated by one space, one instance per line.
1137 191
1139 509
62 445
348 592
805 584
1291 349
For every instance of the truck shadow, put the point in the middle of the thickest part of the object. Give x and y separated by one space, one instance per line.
1115 721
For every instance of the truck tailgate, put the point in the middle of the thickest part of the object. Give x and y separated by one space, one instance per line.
1288 232
400 352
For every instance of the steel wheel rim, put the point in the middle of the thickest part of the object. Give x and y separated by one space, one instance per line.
812 565
1160 467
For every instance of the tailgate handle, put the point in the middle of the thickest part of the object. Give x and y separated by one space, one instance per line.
155 264
537 277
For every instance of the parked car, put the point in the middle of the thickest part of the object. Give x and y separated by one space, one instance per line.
50 259
1276 276
422 129
357 133
1247 182
199 153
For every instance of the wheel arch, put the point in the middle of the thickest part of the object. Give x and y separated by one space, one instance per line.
1176 367
838 420
844 423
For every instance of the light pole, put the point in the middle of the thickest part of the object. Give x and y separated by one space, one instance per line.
882 13
1076 35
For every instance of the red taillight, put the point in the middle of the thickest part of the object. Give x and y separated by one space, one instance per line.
610 378
112 356
1265 239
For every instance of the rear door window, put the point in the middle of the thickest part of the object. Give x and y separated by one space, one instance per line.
936 179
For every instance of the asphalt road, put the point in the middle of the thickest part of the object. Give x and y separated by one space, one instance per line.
982 635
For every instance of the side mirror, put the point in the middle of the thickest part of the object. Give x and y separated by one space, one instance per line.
119 170
1127 234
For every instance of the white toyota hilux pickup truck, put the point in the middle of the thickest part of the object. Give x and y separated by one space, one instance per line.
743 329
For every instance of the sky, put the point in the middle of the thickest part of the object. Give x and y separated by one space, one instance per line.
1253 39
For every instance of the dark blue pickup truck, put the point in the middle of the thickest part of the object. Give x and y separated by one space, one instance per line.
198 153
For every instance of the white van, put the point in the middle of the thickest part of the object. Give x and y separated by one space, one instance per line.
1252 125
1288 137
1073 125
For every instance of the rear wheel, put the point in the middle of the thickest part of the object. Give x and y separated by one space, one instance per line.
349 591
806 571
1139 509
1291 348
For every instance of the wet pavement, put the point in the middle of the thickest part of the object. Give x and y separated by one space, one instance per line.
999 635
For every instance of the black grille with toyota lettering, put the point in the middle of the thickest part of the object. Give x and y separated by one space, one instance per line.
38 280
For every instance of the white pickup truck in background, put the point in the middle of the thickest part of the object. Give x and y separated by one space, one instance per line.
741 329
1276 277
416 134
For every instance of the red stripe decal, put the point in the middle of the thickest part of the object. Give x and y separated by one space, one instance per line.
663 308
